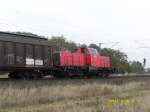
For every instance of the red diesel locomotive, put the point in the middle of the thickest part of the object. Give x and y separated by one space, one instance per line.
83 62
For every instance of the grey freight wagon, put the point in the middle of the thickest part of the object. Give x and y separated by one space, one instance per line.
25 56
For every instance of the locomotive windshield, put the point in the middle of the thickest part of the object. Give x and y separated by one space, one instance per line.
92 51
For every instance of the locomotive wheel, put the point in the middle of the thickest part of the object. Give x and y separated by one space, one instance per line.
32 75
89 75
24 75
35 75
59 74
106 75
12 75
15 75
100 76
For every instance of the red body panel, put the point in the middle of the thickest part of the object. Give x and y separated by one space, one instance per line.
65 58
72 59
92 60
88 59
80 58
104 61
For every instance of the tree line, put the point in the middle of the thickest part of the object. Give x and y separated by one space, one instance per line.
118 58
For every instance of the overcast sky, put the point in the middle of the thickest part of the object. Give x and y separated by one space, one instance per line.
83 21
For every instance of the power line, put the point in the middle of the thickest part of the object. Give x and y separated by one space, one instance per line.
113 44
142 44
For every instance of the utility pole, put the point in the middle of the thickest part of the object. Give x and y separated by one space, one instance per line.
144 62
143 45
100 47
113 44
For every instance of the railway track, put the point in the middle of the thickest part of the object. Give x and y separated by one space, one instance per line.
113 79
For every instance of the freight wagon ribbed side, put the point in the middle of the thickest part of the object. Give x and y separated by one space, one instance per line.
20 54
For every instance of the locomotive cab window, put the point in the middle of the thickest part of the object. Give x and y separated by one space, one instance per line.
92 51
